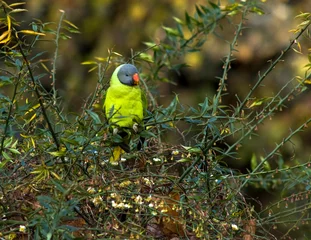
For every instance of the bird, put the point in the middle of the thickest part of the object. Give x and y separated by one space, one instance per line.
124 106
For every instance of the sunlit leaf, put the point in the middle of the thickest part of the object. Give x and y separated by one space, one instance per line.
116 53
4 80
56 175
258 102
171 31
101 59
5 37
266 164
254 162
4 162
17 10
146 57
33 108
6 156
88 62
70 24
71 141
17 4
192 149
13 150
183 160
303 15
60 153
30 32
258 11
178 20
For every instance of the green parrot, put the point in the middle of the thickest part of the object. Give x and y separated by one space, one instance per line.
124 105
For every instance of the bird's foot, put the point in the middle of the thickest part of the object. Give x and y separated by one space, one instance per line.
135 127
115 131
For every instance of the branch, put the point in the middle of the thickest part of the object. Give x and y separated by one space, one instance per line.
261 78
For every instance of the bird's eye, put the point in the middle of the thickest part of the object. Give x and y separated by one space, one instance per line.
126 75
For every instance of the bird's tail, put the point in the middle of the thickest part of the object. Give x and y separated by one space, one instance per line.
116 155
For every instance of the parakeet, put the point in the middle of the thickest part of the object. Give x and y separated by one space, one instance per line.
125 105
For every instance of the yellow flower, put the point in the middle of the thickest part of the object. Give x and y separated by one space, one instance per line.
175 152
139 200
97 200
91 190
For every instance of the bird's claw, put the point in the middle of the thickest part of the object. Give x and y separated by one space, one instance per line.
115 131
135 127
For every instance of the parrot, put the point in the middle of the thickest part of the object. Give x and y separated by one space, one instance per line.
125 106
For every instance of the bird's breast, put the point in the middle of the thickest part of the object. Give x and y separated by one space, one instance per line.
124 106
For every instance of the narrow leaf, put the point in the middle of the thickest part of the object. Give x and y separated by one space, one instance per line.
30 32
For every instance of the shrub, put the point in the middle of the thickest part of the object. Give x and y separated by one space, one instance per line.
56 181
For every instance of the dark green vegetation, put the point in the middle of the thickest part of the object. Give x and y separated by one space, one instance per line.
55 178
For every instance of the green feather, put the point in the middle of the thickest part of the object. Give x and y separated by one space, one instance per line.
124 106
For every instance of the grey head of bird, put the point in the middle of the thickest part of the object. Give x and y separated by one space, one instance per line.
128 75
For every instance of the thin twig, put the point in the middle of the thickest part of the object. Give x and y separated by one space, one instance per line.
7 121
272 66
56 56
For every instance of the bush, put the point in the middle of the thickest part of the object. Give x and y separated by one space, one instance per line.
56 181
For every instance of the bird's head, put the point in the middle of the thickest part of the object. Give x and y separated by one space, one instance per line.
127 74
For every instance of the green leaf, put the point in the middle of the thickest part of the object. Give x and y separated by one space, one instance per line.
94 116
188 21
152 45
49 236
14 144
205 9
4 80
18 63
204 106
214 6
89 62
303 15
199 12
146 57
117 139
6 156
254 162
233 7
184 160
192 149
30 32
7 142
171 31
178 20
58 153
3 97
72 30
266 164
172 107
58 185
259 102
257 11
147 134
33 58
18 10
3 163
70 141
70 24
193 121
13 150
180 31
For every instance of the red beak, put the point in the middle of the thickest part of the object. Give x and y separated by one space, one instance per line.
135 78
